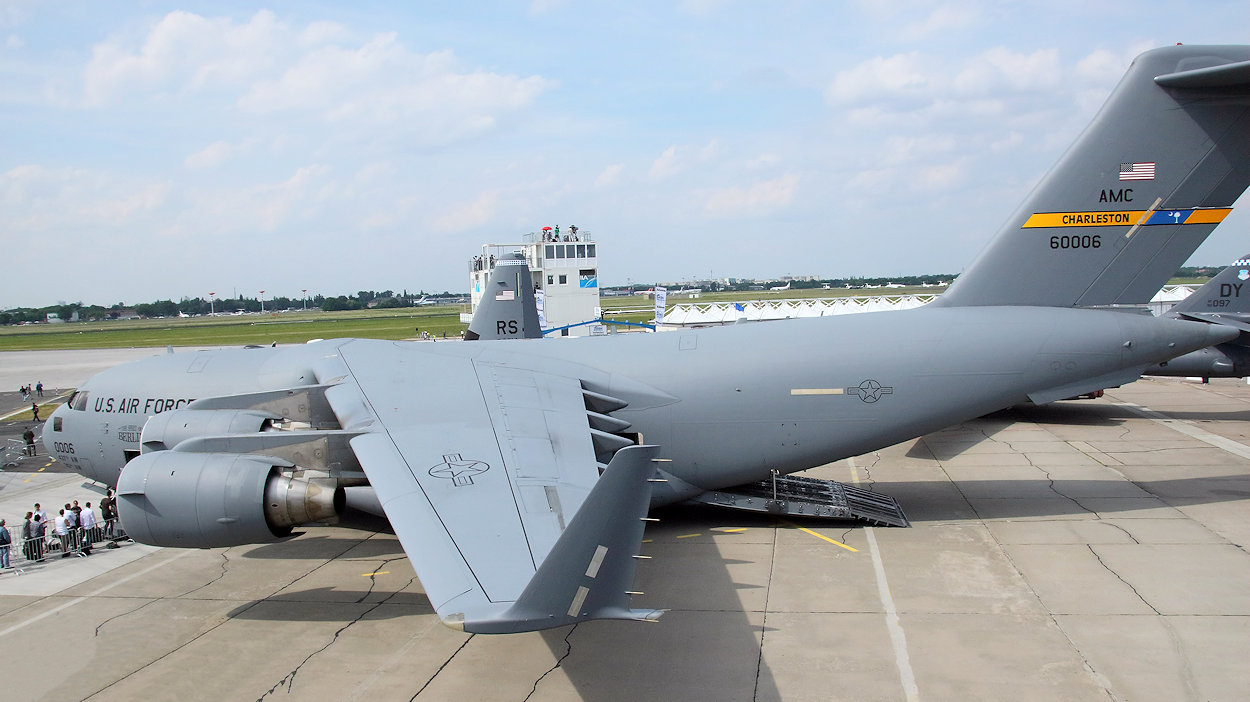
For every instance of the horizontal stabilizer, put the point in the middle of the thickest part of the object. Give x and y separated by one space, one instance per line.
1229 75
1088 385
1236 322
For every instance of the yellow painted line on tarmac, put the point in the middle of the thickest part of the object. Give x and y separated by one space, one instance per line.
647 541
687 536
732 531
822 537
380 572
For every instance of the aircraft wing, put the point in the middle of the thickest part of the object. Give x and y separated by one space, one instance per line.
488 475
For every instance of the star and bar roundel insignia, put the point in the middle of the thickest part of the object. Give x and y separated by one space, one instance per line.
870 390
459 471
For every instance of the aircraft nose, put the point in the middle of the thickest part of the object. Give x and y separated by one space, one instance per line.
49 428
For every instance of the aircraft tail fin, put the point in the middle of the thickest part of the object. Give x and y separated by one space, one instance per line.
507 309
1225 299
1150 178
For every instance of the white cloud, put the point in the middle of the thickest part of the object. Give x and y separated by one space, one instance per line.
317 70
1000 69
185 52
880 76
322 33
753 200
666 165
214 154
13 41
538 7
676 159
944 18
915 78
609 175
40 199
469 215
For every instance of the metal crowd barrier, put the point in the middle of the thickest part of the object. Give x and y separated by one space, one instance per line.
77 543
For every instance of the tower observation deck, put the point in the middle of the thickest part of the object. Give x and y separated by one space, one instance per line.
565 269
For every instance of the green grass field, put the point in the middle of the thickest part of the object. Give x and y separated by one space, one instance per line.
300 327
283 328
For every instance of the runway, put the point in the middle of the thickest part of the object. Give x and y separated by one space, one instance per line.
1086 550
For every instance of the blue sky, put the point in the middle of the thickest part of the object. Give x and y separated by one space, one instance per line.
163 150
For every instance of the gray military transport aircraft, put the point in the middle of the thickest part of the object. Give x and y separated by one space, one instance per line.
518 474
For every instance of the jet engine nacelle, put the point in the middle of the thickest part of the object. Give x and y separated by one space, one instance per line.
210 500
168 429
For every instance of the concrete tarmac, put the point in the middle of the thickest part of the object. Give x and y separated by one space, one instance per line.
1086 550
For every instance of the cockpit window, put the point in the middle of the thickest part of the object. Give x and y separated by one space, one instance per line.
78 401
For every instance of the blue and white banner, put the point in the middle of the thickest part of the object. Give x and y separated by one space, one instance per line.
661 297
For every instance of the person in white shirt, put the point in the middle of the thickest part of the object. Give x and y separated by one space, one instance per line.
88 522
60 527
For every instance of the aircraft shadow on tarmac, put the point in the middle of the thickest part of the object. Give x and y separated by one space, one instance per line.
1085 413
327 604
698 651
313 546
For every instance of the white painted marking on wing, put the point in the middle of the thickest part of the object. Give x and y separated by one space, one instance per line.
1234 447
596 561
575 607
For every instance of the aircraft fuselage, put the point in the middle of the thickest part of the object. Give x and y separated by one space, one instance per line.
727 405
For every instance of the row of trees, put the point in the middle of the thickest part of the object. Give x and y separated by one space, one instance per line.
386 299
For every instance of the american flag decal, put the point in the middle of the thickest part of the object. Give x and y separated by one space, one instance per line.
1137 171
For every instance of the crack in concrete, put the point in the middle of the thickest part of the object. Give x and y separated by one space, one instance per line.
123 614
224 620
373 578
568 649
847 533
289 679
225 561
1117 526
1121 579
768 591
1050 483
440 668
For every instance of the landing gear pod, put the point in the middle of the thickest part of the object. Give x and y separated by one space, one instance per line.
168 429
210 500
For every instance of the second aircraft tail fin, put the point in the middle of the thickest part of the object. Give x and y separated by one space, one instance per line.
507 309
1150 178
1225 299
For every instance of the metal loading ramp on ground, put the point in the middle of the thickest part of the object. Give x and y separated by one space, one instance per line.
800 496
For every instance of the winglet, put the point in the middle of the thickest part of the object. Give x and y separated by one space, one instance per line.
589 571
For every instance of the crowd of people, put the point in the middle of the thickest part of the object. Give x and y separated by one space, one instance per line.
73 530
570 236
29 393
